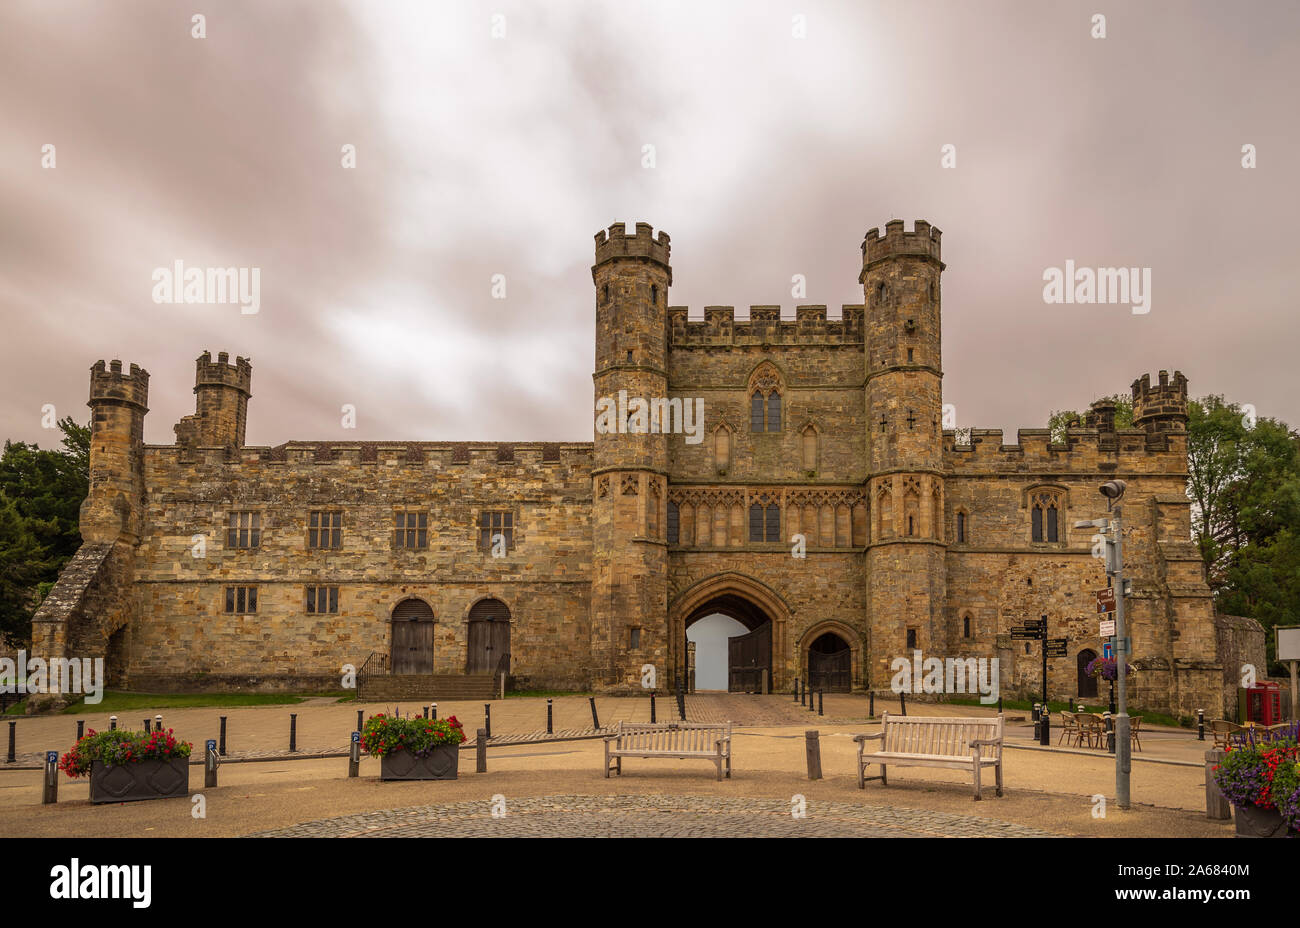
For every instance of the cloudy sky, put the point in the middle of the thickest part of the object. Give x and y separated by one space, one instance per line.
479 155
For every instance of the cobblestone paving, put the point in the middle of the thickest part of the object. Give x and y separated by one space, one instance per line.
653 817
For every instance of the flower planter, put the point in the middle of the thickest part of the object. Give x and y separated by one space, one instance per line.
146 779
1255 822
439 764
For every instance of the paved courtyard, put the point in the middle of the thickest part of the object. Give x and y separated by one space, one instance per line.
654 816
557 787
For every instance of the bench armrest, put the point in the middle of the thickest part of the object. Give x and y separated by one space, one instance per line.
861 738
980 742
608 738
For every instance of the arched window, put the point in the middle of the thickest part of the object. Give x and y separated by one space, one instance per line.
756 420
765 399
810 448
774 412
1045 517
722 448
961 528
764 522
674 522
965 627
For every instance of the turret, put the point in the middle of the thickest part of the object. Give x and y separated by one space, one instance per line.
630 474
118 404
1162 408
221 392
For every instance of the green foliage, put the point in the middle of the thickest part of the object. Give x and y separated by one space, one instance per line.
40 504
1245 489
1061 419
384 734
119 746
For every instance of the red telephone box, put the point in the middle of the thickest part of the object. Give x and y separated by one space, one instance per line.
1264 703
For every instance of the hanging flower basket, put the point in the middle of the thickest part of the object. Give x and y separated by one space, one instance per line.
1106 668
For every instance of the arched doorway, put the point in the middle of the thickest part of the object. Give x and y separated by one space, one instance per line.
412 640
748 601
711 635
488 641
1087 684
830 664
748 653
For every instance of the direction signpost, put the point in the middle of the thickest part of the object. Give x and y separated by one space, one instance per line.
1036 630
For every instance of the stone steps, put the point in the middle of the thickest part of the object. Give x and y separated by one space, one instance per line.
423 687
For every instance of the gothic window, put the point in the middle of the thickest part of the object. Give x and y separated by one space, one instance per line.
674 522
961 528
1045 517
765 399
764 522
965 627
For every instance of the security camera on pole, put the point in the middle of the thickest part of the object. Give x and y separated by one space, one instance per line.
1113 490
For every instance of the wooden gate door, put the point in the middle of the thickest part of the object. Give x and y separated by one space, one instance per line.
412 637
489 638
830 673
748 656
1087 685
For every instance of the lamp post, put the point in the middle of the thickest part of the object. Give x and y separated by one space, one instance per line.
1113 490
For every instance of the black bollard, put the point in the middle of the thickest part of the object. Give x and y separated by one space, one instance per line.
1045 737
481 744
999 705
595 719
871 704
803 693
433 710
210 764
157 723
550 718
293 731
221 748
112 723
354 758
51 793
812 701
652 707
1200 724
1110 733
902 701
796 689
820 707
81 729
12 758
487 720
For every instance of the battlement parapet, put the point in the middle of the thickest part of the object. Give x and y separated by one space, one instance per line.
923 241
1084 450
394 454
616 243
108 385
222 373
764 326
1162 408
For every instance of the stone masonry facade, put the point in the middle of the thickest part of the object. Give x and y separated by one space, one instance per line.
203 559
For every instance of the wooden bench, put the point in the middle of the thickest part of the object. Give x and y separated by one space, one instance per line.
920 741
669 739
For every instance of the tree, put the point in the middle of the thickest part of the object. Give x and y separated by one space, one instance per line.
40 503
1061 419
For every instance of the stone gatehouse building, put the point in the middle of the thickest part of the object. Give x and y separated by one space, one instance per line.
208 563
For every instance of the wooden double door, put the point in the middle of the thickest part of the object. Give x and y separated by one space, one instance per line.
748 657
489 638
412 648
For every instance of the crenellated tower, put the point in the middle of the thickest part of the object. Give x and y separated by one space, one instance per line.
630 466
906 586
221 391
1162 408
118 402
